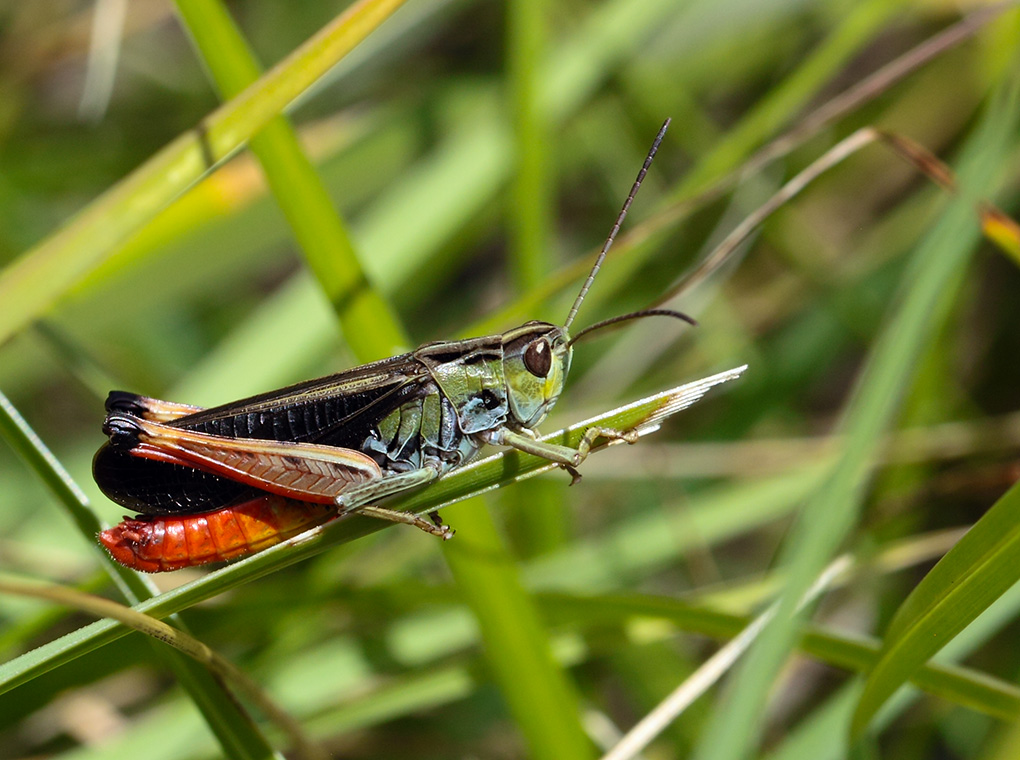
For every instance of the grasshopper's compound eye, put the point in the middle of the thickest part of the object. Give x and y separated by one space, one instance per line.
538 358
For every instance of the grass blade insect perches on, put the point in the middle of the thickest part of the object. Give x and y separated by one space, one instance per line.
217 483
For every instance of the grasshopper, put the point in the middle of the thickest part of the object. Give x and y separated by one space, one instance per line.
213 484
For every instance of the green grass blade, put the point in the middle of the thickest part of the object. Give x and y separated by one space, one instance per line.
931 279
539 695
532 205
976 572
27 445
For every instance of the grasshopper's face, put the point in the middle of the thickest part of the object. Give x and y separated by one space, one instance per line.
536 359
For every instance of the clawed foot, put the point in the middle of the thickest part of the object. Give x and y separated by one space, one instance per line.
443 530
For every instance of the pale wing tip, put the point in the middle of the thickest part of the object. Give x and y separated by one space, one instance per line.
686 395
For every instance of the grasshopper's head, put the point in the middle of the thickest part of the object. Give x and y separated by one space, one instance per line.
536 359
536 356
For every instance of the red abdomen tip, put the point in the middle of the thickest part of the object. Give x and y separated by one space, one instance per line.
162 544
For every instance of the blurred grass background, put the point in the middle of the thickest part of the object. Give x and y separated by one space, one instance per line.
475 150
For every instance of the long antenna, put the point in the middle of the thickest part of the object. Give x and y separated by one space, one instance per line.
616 227
633 315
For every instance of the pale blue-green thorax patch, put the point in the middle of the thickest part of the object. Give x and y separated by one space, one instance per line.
471 379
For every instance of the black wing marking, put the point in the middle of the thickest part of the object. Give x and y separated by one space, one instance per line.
159 488
330 399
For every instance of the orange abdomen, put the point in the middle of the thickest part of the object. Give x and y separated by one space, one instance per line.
160 544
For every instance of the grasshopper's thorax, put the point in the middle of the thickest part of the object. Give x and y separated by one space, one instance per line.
536 359
511 379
